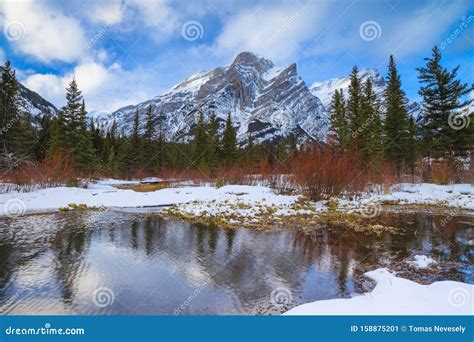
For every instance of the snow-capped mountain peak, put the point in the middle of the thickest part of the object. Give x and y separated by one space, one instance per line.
325 89
264 100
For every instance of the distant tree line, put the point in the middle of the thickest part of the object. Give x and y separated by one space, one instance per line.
144 150
377 127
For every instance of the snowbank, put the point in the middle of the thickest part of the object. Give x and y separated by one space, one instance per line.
455 195
103 195
398 296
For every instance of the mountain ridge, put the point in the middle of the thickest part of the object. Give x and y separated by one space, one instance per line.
265 101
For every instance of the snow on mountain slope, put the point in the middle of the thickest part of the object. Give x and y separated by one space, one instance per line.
324 90
32 103
264 101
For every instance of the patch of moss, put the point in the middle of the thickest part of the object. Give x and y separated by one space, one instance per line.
143 187
79 207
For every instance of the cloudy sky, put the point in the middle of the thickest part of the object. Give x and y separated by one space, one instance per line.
122 52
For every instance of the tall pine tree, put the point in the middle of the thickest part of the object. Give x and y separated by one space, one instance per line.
135 145
213 142
9 107
70 133
200 144
149 152
444 108
370 134
353 110
230 153
338 119
396 119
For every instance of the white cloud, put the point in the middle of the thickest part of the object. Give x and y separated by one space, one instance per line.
90 77
158 15
106 11
162 19
103 88
102 55
49 86
275 32
47 33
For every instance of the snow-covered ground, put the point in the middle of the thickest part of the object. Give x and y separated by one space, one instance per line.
455 195
243 200
397 296
103 194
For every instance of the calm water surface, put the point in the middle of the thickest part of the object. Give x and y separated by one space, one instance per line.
74 263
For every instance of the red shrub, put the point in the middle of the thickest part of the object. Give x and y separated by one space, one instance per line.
322 172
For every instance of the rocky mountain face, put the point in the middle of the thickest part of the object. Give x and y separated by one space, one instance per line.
325 90
34 104
264 101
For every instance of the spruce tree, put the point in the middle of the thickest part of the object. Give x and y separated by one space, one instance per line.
97 139
149 152
70 133
109 141
396 119
84 151
230 153
250 151
135 144
160 144
44 136
124 158
445 110
354 108
9 107
282 152
24 139
213 142
200 144
111 167
338 120
412 141
370 132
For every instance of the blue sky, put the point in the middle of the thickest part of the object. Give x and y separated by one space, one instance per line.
126 51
